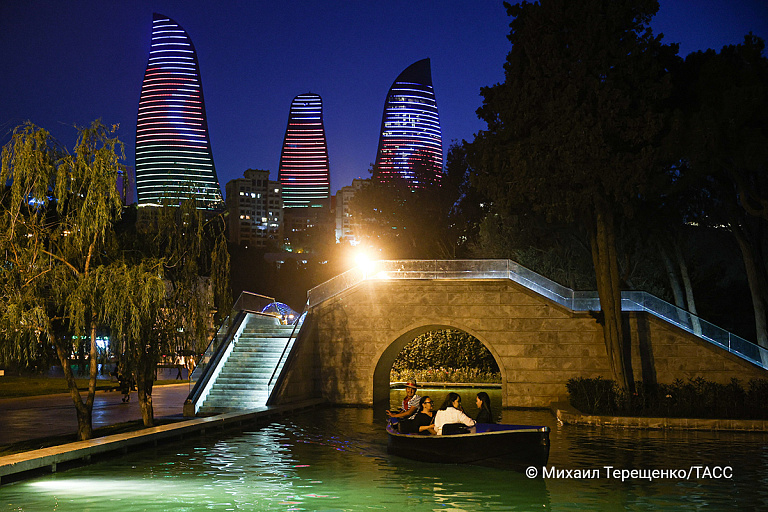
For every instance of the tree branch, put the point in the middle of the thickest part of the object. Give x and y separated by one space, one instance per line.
65 262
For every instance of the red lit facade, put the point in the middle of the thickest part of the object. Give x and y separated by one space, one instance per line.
304 171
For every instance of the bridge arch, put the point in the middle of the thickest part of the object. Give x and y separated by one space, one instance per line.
387 356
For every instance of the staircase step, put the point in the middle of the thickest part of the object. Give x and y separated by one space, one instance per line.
230 383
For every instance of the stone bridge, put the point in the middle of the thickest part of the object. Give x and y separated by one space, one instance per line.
541 334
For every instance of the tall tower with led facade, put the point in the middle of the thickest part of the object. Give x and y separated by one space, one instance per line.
411 143
174 160
304 172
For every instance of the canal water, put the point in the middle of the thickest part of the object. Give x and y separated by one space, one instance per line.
335 459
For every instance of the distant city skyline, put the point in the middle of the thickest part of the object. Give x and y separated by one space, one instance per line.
68 63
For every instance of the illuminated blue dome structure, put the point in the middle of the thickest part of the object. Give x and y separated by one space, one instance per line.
283 311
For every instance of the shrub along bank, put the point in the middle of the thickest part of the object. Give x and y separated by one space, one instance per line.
696 398
445 375
447 355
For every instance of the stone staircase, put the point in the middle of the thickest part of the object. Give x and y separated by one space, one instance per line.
244 378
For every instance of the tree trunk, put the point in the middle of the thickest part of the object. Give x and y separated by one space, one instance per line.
695 324
603 241
674 283
82 410
145 379
758 282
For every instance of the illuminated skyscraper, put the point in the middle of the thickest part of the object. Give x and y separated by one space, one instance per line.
411 144
173 151
304 171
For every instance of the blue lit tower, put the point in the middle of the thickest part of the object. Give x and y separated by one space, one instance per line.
411 144
173 151
303 171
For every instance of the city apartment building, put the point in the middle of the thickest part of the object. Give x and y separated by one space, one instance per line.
345 230
255 206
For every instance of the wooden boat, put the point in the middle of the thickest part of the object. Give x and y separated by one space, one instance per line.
486 444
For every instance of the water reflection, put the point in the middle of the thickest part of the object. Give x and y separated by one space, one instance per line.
335 459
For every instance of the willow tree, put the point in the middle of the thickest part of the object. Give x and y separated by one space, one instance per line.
56 221
175 285
573 130
133 301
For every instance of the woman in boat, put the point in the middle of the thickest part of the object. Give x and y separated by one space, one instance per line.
484 413
451 413
422 422
425 419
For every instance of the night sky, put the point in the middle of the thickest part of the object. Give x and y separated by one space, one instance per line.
67 63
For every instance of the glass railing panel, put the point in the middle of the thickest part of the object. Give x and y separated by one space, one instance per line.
212 347
715 334
540 284
585 301
336 285
252 302
403 269
473 269
755 353
276 373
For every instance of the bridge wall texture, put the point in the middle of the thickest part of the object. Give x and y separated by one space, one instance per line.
538 344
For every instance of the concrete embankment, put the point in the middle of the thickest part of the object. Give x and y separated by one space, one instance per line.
568 415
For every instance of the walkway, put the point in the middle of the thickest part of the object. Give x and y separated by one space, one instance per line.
23 419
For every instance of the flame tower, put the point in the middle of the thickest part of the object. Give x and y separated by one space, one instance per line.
304 172
174 160
411 144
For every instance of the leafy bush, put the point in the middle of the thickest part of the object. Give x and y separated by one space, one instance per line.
697 398
593 396
445 375
445 349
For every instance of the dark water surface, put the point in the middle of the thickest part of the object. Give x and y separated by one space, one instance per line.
335 459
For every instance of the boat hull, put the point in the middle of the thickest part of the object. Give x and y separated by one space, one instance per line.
509 446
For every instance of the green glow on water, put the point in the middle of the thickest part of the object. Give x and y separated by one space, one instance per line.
335 459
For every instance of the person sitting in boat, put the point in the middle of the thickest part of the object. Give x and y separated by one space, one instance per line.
451 414
424 421
410 402
484 413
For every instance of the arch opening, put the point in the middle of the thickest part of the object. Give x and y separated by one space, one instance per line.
434 353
